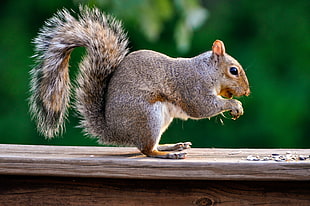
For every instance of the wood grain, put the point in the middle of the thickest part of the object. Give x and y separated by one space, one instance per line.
58 175
28 190
127 162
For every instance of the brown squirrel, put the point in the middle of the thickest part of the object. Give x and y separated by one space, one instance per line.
127 98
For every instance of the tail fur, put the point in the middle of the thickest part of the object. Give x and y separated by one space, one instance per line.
106 46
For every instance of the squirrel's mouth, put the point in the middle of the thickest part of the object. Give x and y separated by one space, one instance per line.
226 93
230 93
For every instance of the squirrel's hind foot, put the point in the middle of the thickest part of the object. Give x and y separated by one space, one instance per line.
166 155
174 147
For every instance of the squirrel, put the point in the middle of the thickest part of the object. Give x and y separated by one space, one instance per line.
126 98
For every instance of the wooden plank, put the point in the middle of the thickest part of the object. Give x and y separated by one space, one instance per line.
127 162
28 190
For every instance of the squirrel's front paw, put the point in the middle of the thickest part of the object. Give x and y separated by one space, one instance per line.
237 109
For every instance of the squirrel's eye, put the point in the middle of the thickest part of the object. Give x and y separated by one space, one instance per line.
233 71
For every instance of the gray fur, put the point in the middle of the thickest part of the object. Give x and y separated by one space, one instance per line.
50 84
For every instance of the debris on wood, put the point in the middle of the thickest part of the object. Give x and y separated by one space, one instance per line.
279 157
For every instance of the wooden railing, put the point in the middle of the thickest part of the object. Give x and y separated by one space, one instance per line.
65 175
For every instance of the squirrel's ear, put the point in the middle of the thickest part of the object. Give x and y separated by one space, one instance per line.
218 48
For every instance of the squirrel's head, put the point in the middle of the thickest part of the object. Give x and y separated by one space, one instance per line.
232 79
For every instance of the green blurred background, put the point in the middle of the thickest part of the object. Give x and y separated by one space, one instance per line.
271 39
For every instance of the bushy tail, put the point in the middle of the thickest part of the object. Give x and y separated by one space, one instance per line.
106 46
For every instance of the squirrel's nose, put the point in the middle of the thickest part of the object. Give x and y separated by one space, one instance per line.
247 93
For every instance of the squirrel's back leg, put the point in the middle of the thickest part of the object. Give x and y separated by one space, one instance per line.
150 147
135 121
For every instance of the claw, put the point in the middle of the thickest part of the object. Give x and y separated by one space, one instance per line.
183 145
176 155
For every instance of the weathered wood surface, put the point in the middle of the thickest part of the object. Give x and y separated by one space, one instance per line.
58 175
29 190
126 162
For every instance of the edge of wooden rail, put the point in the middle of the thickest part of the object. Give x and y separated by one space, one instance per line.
128 162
